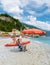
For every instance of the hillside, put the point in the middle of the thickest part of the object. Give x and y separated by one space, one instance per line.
30 26
7 23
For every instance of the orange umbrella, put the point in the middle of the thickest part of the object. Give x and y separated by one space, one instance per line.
33 31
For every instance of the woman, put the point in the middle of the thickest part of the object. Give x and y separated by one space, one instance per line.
14 36
14 39
21 47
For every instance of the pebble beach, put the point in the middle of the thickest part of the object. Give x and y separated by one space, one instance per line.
36 54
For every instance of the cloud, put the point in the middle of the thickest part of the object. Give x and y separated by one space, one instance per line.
18 6
27 11
18 17
24 3
41 2
40 24
11 6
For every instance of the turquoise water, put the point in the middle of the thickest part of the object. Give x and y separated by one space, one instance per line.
45 40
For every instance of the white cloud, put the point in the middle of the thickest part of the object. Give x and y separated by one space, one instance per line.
47 2
11 6
41 2
18 7
24 3
18 17
43 25
39 5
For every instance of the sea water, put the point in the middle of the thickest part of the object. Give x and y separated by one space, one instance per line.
44 40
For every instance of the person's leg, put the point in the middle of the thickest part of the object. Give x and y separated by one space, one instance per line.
21 48
25 48
14 39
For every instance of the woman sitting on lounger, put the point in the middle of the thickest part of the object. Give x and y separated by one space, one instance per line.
21 47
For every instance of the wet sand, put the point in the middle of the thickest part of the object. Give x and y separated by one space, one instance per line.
37 54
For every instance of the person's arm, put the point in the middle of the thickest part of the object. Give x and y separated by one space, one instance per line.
18 42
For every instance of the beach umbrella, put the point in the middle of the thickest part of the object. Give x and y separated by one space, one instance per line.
33 31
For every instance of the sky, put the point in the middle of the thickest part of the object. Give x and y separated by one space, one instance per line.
32 12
